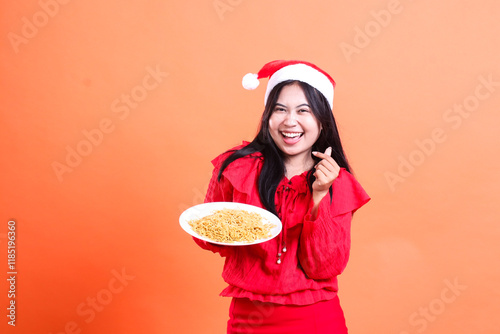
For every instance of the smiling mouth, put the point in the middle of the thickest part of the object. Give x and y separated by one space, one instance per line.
292 134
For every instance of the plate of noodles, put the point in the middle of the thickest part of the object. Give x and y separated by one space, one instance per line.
228 223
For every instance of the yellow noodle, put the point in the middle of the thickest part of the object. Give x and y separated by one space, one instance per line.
232 225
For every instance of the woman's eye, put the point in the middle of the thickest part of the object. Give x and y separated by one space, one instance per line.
304 110
279 109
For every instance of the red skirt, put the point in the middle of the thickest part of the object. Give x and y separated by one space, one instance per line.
246 316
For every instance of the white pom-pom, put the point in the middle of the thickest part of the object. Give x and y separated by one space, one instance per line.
250 81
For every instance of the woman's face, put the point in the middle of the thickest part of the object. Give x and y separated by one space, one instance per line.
292 125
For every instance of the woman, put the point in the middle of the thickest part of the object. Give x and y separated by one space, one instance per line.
297 169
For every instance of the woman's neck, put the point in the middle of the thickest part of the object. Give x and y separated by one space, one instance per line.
297 165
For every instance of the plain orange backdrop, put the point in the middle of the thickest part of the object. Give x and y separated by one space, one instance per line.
111 112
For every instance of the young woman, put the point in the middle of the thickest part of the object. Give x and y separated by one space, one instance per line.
297 169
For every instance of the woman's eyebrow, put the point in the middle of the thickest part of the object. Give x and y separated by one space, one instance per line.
300 105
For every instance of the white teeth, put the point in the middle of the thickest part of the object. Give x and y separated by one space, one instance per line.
291 134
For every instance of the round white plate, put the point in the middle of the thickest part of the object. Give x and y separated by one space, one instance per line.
205 209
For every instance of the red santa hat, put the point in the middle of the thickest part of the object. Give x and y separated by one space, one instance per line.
282 70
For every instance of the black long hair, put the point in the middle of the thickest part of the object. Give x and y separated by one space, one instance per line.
273 168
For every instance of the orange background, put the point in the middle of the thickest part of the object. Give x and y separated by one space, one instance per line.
401 68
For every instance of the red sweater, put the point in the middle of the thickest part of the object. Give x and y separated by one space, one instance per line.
316 250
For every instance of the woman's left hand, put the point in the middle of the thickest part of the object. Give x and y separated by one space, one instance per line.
326 172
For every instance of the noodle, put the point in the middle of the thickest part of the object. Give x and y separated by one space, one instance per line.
232 225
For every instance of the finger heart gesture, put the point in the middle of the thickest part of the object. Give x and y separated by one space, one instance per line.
326 172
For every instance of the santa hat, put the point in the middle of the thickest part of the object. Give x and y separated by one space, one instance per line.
283 70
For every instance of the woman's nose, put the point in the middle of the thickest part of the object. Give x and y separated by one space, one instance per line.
290 118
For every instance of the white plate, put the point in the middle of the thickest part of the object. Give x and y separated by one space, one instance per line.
205 209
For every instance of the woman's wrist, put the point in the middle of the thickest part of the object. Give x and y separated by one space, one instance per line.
317 197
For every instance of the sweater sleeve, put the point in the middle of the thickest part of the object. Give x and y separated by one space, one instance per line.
325 242
218 191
